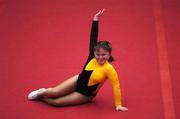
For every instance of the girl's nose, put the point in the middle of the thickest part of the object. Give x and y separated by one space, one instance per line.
101 57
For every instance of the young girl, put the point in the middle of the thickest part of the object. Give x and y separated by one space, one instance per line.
83 88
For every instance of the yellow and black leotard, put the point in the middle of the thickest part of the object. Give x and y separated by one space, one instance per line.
94 75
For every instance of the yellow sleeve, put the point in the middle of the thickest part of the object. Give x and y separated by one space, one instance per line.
114 80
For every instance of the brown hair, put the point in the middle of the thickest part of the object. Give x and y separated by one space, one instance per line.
106 45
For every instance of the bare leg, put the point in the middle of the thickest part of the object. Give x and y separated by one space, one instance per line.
74 98
62 89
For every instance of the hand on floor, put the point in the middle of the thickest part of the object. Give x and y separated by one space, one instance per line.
121 108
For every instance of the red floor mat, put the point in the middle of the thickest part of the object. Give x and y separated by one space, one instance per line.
44 42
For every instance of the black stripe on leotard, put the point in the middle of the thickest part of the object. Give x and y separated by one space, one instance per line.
83 79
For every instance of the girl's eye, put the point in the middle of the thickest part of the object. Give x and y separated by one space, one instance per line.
100 54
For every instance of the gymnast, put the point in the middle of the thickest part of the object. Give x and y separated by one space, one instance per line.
82 88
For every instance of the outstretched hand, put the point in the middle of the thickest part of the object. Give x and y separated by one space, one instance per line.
97 15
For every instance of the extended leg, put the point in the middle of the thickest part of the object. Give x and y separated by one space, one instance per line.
74 98
64 88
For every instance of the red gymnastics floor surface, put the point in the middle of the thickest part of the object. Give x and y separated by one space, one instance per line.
44 42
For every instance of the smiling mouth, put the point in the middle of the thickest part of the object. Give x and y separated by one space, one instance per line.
101 60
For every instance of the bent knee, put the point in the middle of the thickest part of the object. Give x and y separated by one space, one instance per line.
77 76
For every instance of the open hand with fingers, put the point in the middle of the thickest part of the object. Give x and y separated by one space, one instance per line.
97 15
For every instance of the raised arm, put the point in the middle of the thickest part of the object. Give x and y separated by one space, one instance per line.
94 32
93 36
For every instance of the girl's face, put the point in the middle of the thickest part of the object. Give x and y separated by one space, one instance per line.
101 55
